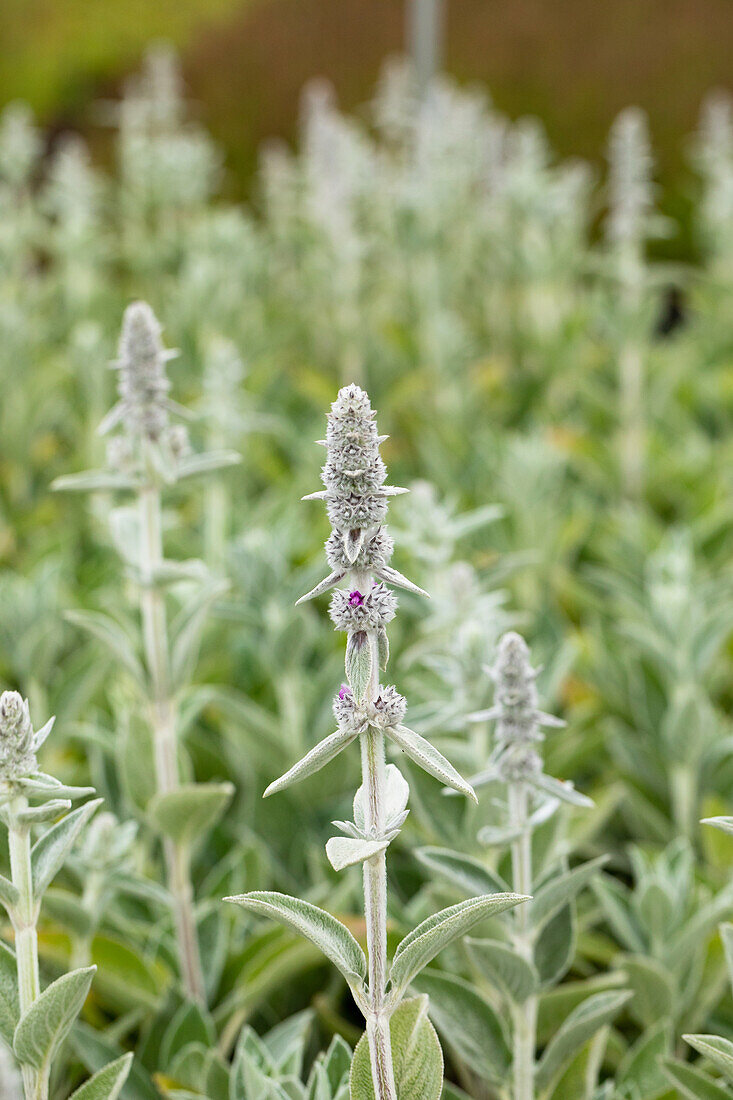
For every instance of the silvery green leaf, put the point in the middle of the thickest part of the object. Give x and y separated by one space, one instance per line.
582 1023
108 1083
640 1068
554 949
416 1056
196 464
497 836
716 1049
343 852
562 888
421 945
313 761
124 526
725 824
392 491
190 810
94 481
429 759
187 628
383 648
470 875
557 788
612 896
392 576
42 1029
39 815
352 543
8 893
652 985
503 967
41 735
39 785
50 851
328 934
106 630
396 792
323 586
692 1082
358 663
349 828
468 1024
9 1004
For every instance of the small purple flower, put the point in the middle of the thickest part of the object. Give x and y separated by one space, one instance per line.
344 691
356 599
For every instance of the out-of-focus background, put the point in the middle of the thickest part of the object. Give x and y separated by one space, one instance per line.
572 64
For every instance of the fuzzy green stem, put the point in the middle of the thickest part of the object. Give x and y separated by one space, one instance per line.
24 918
163 719
525 1017
375 900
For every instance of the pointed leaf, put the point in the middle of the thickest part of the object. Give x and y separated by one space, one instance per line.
328 934
580 1025
111 634
692 1082
8 893
344 852
9 1006
43 1028
561 889
429 938
358 663
558 788
393 577
313 761
716 1049
93 481
107 1084
191 810
50 851
416 1056
502 966
325 585
209 461
468 1024
465 872
429 759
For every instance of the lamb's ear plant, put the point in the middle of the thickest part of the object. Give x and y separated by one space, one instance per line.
146 453
35 1022
400 1054
523 965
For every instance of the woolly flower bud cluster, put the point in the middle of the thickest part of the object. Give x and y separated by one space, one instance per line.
354 473
630 182
143 387
387 710
17 738
354 610
515 708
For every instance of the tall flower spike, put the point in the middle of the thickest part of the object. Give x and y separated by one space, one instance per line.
358 550
142 383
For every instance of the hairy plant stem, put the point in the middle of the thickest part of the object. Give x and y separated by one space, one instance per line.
163 719
24 920
525 1016
375 899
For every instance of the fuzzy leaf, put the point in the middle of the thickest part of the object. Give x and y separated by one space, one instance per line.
40 815
429 759
468 1024
692 1082
561 889
313 761
465 872
8 893
503 967
557 788
383 648
716 1049
328 934
416 1056
358 663
111 634
50 851
640 1067
580 1025
392 576
187 628
43 1028
421 945
40 785
107 1084
205 463
9 1006
554 949
191 810
94 481
325 585
344 852
725 824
